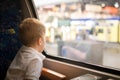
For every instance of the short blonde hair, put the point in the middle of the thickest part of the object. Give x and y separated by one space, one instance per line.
30 30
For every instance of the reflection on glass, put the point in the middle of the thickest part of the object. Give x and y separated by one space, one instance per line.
82 31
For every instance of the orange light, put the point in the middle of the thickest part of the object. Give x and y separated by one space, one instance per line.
110 10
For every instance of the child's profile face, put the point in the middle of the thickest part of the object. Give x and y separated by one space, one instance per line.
43 42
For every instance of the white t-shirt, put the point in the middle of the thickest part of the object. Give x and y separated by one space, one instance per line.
27 64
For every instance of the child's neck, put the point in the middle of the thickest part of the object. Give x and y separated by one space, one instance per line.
36 48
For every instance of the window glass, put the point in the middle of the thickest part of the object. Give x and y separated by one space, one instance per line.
87 31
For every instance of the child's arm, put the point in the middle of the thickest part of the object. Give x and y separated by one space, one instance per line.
33 70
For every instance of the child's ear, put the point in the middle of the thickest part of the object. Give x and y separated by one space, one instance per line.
40 41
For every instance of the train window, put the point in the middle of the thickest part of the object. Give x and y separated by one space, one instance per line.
81 30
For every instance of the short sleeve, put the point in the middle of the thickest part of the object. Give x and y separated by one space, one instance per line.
33 70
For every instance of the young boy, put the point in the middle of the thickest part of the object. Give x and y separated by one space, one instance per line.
27 64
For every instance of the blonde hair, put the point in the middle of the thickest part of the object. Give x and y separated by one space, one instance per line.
30 30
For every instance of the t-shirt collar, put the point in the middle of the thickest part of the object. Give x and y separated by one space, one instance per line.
38 53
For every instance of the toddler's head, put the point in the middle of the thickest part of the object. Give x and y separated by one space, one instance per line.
30 30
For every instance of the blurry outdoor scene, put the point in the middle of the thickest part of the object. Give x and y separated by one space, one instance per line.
82 30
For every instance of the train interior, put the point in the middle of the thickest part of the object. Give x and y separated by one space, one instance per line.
82 37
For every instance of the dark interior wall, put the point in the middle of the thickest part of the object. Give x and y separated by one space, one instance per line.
10 17
11 14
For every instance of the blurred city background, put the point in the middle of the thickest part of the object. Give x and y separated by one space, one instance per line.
82 30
